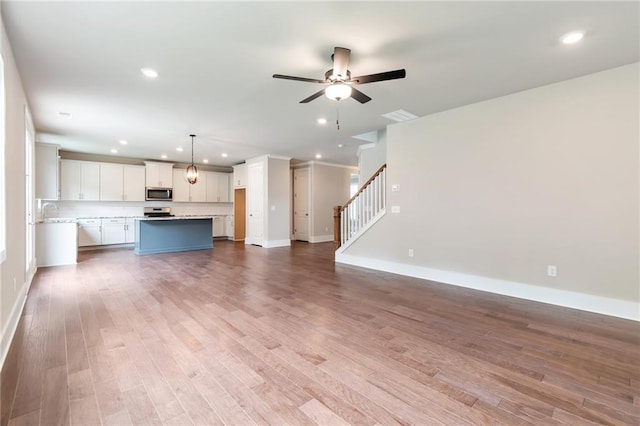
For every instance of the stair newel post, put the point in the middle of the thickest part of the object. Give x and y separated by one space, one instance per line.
337 238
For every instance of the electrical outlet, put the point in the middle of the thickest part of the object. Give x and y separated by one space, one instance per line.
395 187
552 270
410 252
395 209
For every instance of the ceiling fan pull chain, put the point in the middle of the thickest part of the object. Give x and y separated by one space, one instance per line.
338 117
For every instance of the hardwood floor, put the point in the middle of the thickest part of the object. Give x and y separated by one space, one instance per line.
243 335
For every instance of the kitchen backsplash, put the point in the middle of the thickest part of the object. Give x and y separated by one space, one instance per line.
76 209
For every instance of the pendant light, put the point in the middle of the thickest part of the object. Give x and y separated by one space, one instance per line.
192 171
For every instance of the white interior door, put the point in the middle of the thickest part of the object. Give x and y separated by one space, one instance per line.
301 218
255 204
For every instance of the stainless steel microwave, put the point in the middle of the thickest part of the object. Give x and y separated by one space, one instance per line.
159 194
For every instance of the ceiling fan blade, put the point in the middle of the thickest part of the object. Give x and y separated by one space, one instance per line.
359 96
340 62
371 78
290 77
312 97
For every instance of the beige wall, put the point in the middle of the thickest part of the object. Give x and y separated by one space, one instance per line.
501 189
14 266
372 156
278 199
329 188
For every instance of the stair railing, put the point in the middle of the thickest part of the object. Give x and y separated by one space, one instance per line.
356 214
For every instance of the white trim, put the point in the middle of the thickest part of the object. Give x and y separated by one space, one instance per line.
12 324
586 302
321 238
276 243
322 163
278 157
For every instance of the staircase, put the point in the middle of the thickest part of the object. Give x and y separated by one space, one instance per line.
364 209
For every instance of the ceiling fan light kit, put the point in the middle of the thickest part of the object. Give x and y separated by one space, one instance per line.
340 83
338 91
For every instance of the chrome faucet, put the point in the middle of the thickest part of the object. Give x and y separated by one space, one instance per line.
43 210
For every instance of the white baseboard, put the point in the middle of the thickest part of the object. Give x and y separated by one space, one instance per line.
569 299
321 239
12 323
276 243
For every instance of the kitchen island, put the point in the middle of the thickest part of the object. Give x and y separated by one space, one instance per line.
171 234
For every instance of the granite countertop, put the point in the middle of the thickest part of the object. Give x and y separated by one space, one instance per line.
58 220
182 217
76 219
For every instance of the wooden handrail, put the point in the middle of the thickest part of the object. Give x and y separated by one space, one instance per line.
375 175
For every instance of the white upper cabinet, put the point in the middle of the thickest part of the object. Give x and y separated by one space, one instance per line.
240 175
183 191
120 182
79 180
159 175
133 183
217 187
47 176
111 182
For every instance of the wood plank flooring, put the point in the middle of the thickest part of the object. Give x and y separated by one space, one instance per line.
241 335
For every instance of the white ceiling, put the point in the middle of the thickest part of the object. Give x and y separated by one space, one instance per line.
216 60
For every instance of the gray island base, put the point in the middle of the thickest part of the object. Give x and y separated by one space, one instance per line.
164 235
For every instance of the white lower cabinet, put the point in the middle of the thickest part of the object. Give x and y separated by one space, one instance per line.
218 226
96 232
89 232
130 230
228 228
113 231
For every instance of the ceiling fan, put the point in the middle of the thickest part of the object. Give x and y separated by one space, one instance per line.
339 80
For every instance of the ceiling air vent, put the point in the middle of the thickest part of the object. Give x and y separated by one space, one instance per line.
399 115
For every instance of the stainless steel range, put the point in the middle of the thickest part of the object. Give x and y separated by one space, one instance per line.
157 212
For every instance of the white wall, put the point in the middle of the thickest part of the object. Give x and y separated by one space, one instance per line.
492 193
13 268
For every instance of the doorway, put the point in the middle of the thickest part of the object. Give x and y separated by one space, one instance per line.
301 217
239 214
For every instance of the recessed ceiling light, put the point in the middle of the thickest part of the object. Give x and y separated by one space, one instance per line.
205 160
572 37
318 156
64 114
224 154
179 149
340 145
123 142
149 72
163 156
322 121
114 151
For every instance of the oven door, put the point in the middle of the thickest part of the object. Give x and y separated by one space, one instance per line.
159 194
